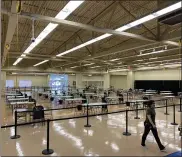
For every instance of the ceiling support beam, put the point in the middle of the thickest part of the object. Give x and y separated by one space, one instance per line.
107 53
78 25
10 31
123 7
90 53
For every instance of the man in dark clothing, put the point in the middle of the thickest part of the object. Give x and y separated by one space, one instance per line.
149 124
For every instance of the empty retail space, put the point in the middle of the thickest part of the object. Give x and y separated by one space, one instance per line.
91 78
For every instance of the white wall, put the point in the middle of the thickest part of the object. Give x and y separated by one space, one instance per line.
36 80
118 81
167 74
71 78
3 80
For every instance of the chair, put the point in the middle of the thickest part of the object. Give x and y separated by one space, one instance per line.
79 109
52 99
38 113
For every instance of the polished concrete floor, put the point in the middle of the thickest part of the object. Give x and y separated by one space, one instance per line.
103 138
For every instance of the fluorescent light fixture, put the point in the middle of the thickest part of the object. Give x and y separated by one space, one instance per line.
117 70
85 44
128 26
153 58
139 60
17 61
90 75
168 9
63 14
152 53
73 67
116 59
172 43
14 73
172 66
88 64
41 63
120 63
95 67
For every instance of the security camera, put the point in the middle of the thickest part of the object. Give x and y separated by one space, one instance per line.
33 40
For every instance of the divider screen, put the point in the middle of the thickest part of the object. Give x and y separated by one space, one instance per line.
159 85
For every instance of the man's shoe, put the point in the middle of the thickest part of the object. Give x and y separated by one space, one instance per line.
143 144
163 149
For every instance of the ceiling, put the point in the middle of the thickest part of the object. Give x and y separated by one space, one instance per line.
111 53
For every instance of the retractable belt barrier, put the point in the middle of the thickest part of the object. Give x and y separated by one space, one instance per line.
48 151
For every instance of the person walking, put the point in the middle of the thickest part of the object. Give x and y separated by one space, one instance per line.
149 124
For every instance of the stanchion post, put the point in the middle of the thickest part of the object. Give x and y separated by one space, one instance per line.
87 125
137 111
126 133
127 96
174 118
15 136
47 151
180 109
166 113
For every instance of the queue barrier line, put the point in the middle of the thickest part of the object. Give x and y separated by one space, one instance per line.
77 117
49 151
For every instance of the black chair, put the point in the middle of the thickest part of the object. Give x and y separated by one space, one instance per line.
121 98
128 104
46 96
52 99
38 113
26 95
104 107
60 101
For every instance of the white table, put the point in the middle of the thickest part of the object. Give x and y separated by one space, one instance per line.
13 94
113 97
166 93
24 104
95 104
9 97
89 93
150 90
21 102
148 94
18 99
170 96
66 96
135 101
75 99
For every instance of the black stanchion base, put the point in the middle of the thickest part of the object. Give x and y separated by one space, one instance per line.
87 125
47 151
15 136
166 113
174 123
126 133
137 118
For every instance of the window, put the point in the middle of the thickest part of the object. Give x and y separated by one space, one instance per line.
25 83
10 83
